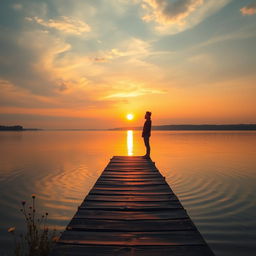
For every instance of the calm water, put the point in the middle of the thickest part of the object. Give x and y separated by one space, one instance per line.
213 174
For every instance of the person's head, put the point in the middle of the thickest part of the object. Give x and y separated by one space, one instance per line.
148 115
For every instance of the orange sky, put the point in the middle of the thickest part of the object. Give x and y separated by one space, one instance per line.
86 65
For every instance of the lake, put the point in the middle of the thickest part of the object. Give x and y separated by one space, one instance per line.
212 173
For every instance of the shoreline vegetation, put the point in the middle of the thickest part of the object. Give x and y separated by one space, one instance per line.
17 128
173 127
38 238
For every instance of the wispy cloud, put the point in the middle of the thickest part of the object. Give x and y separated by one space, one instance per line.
165 12
100 59
176 16
135 93
65 24
240 34
17 6
130 89
249 9
132 47
15 96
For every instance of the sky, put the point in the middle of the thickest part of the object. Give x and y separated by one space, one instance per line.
87 63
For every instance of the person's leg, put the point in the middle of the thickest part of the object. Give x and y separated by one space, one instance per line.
147 145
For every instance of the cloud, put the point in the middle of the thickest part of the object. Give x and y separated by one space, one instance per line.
238 34
135 93
17 6
173 16
19 58
250 9
65 24
14 96
128 48
130 89
100 59
165 12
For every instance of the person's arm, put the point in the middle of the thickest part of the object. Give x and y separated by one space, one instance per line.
144 130
147 128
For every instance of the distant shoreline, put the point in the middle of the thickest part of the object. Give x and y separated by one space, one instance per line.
17 128
196 127
175 127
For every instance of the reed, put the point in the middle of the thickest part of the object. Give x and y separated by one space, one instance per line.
38 238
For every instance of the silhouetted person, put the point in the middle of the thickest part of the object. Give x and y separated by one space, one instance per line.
146 133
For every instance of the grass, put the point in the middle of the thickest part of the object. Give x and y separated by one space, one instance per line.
37 239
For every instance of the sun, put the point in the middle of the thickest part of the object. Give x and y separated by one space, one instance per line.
129 116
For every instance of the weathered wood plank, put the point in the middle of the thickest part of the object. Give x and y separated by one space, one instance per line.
131 176
139 161
127 158
131 187
149 192
189 237
130 226
128 179
131 198
126 173
130 183
131 164
131 170
131 205
119 161
132 167
133 160
134 163
94 250
132 215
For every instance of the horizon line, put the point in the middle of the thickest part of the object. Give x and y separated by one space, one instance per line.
235 126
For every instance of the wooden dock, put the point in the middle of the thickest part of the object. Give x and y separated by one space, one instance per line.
131 210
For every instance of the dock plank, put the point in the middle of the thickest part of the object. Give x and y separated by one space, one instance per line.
131 225
132 215
131 187
94 250
129 179
163 238
131 198
130 205
149 192
131 183
130 176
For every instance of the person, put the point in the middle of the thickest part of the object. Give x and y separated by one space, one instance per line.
146 133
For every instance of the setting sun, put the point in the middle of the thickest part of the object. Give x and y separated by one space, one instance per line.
129 116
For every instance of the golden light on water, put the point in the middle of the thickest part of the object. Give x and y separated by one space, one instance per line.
129 116
130 142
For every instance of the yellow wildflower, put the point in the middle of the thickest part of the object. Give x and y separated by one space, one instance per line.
12 229
55 239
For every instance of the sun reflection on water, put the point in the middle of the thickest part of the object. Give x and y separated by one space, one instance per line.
130 142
